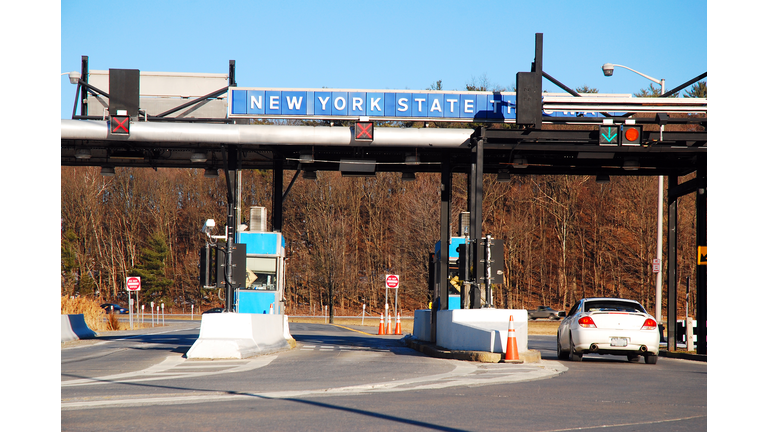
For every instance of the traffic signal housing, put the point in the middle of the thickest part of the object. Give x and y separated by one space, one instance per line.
364 131
631 135
120 125
609 135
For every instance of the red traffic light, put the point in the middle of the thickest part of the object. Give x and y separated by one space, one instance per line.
364 131
630 135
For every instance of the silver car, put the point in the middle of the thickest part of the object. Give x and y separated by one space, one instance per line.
608 326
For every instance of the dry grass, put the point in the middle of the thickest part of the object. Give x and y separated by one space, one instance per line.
543 327
534 327
406 326
95 317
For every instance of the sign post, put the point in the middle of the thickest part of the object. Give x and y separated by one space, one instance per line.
391 281
132 283
656 265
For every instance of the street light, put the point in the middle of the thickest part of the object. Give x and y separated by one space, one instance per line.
608 71
74 77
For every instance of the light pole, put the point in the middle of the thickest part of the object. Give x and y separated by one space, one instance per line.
608 71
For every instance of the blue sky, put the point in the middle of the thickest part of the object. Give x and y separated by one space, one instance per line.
389 44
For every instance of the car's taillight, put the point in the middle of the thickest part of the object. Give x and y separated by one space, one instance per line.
587 322
649 324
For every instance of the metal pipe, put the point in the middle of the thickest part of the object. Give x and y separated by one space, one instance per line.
267 134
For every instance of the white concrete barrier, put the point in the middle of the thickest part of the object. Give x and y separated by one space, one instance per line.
239 335
481 329
422 324
73 327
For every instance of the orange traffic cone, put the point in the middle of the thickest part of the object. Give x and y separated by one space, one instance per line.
381 325
389 324
511 356
397 325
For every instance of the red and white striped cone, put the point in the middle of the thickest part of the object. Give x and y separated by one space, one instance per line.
381 325
389 324
397 325
511 355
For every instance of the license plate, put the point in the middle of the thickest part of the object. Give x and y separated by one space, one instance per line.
619 342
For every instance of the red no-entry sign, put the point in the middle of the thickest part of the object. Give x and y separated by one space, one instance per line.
393 281
133 283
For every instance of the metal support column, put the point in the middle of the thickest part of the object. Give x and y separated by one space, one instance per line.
441 295
233 165
701 269
277 195
672 265
83 92
476 215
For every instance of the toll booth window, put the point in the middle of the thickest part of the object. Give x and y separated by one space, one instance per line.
261 273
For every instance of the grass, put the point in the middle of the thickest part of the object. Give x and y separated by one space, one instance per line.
534 327
95 317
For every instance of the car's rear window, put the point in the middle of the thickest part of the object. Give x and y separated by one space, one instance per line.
612 306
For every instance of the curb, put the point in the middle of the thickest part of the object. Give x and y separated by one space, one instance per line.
683 355
432 350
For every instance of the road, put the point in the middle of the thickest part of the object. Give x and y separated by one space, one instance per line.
340 379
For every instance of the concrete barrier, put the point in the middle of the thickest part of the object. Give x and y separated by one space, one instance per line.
239 335
481 329
73 327
422 324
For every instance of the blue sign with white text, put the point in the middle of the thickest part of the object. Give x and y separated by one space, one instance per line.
393 105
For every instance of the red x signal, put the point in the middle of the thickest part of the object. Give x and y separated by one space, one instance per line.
364 131
121 125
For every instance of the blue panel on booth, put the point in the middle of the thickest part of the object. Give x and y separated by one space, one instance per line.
454 302
262 243
255 301
453 248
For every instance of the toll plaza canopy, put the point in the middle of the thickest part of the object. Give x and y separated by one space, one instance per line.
130 118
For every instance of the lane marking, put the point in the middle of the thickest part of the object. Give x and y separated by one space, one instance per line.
463 374
175 367
351 329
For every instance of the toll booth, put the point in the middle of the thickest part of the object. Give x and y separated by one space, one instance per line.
264 288
454 288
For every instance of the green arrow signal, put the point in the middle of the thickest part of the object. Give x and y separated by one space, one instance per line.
610 137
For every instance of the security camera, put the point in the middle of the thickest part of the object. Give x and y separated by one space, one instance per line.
208 227
607 69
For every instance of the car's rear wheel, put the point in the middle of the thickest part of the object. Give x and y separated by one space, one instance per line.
573 355
651 358
561 353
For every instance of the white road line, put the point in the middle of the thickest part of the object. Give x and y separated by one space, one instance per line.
463 374
175 367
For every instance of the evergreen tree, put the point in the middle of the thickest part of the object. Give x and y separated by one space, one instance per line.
152 267
653 91
698 90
